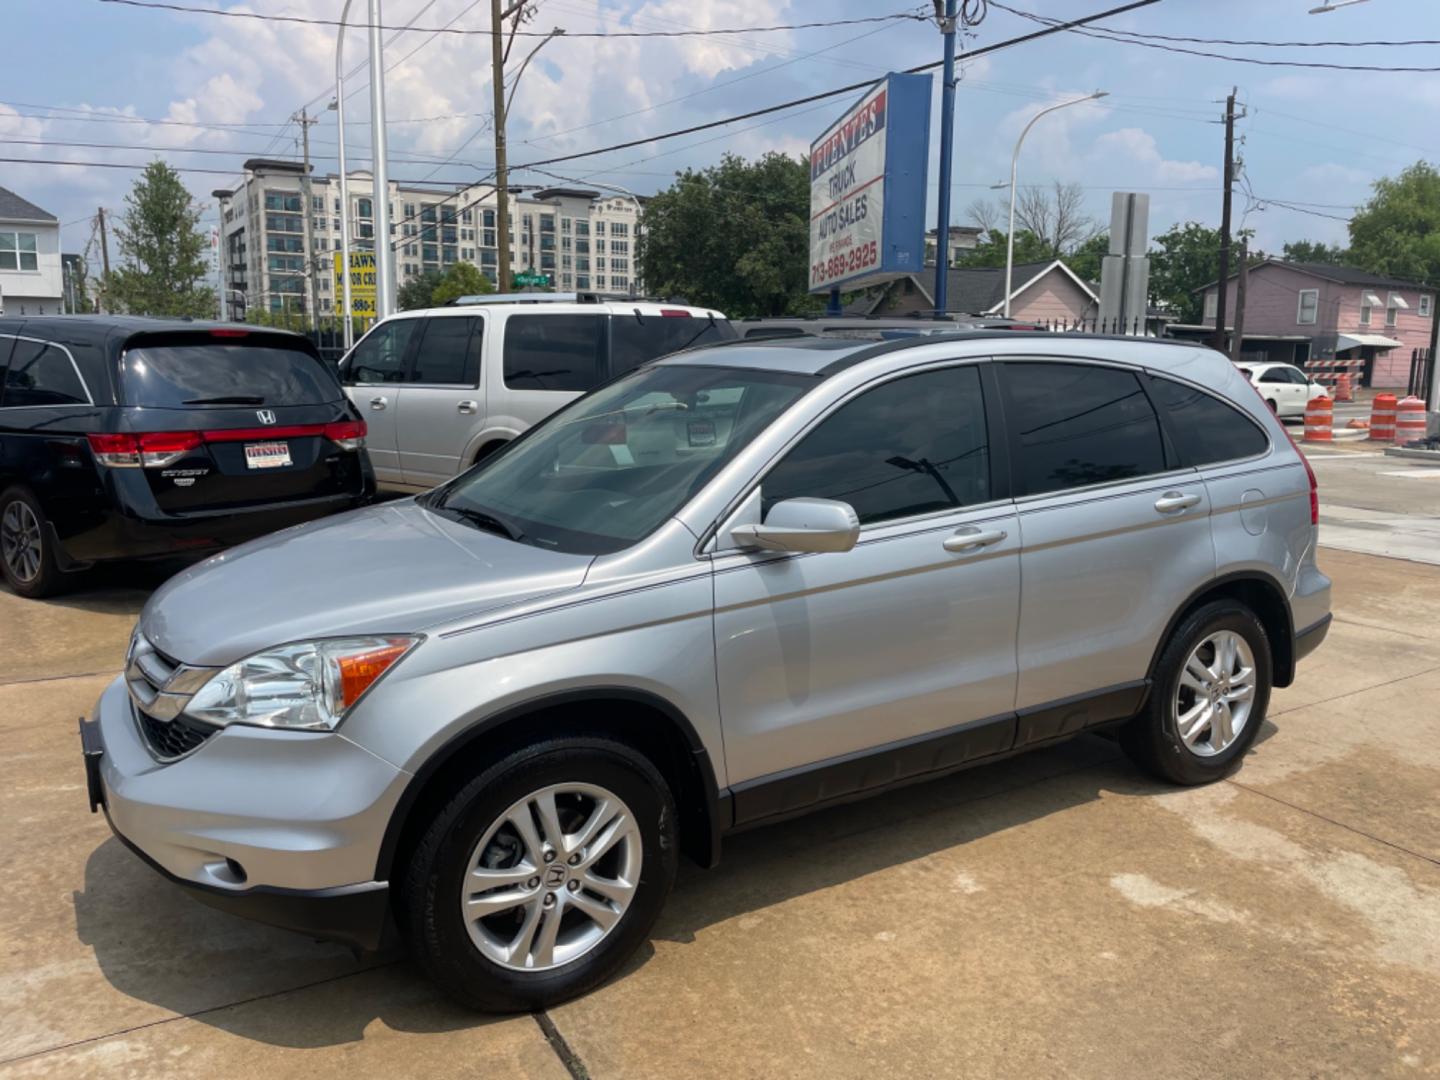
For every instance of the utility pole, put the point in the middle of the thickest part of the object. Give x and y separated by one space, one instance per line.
502 172
947 144
304 119
104 262
380 168
1241 281
1219 340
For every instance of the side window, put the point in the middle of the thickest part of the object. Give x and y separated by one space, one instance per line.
449 352
1296 376
380 357
41 374
1079 424
911 446
1275 375
553 352
635 340
1208 429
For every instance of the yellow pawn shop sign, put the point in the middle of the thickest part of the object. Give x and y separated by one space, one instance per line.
362 282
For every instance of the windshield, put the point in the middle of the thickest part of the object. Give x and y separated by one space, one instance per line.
209 372
607 471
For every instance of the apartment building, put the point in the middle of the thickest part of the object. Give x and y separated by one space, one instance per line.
272 241
30 278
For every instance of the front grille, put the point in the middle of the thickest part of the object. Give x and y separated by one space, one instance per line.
160 688
171 739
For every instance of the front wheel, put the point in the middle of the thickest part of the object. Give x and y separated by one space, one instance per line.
1208 698
542 875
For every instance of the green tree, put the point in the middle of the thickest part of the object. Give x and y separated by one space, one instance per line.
1311 251
1398 231
735 236
990 251
462 279
1088 256
1188 257
416 291
162 250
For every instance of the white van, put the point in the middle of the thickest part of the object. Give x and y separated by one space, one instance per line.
442 388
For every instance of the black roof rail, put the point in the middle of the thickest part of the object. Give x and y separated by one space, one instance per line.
982 333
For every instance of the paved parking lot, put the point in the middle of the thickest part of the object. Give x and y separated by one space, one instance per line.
1055 914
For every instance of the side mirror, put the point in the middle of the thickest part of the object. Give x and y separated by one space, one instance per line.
802 525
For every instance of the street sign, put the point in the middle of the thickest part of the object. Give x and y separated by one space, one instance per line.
530 277
867 187
362 283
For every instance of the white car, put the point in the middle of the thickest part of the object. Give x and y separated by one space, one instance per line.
1285 388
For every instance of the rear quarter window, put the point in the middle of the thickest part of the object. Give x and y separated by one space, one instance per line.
638 339
1207 429
39 374
175 374
554 352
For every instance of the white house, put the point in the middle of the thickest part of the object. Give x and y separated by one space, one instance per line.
30 277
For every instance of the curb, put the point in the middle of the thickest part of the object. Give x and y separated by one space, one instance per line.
1432 456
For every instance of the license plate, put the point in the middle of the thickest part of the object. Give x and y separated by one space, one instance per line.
267 455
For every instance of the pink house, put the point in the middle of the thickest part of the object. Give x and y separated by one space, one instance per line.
1042 291
1307 312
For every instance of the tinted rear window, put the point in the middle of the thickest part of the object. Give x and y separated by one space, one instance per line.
553 352
634 341
1207 429
173 376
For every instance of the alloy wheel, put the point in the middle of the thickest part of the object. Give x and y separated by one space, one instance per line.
551 877
20 541
1216 693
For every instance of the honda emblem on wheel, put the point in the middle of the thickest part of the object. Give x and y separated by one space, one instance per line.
267 416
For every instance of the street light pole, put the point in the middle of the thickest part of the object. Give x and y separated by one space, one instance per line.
380 167
348 333
1014 161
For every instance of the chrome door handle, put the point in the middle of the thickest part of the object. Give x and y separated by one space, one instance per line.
467 407
1172 501
378 402
972 539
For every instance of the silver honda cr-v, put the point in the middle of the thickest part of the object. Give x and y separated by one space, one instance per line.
737 584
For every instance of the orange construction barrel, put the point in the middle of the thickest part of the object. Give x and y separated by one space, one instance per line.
1343 390
1409 420
1382 418
1320 420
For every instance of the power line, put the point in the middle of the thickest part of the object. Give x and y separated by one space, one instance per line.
1123 38
211 151
711 32
183 168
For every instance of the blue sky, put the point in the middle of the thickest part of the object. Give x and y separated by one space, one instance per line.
228 86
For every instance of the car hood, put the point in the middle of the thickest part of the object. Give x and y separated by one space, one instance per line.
394 568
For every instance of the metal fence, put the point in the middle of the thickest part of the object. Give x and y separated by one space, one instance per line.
1422 373
1135 327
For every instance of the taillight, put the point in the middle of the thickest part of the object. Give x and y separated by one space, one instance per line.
150 450
346 434
674 313
1310 473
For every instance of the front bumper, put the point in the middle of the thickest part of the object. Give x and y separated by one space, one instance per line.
280 827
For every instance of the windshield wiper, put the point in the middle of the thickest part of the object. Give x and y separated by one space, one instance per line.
231 399
481 520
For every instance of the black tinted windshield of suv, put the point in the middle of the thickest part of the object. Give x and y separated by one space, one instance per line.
635 340
175 376
610 469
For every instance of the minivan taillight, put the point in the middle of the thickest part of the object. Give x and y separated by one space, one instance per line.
346 434
150 450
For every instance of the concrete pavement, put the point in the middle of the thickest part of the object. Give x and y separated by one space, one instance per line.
1376 504
1055 914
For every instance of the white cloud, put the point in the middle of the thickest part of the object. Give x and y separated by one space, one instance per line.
1137 147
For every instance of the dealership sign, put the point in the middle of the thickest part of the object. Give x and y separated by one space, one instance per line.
867 188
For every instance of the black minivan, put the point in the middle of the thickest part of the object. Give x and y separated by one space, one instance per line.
124 437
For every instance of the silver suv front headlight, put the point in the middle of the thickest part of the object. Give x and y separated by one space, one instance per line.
304 686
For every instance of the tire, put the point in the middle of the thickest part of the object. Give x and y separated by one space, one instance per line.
27 553
461 955
1160 740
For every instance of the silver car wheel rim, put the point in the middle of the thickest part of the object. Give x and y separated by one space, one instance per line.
1216 693
20 541
551 877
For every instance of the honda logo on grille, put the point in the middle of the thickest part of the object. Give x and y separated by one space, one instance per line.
267 416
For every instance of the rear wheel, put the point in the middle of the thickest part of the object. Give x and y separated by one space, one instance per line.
27 554
1208 700
542 875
